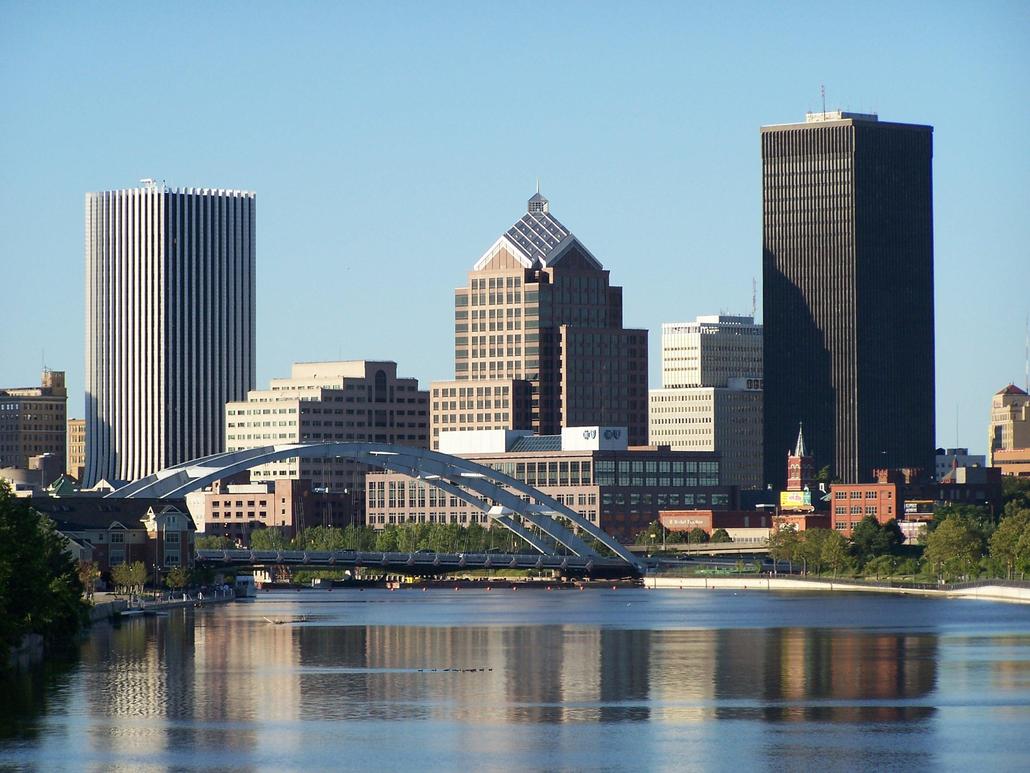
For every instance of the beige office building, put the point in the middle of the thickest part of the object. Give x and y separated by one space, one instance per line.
711 395
76 461
480 404
235 510
710 351
32 420
1009 429
355 400
541 327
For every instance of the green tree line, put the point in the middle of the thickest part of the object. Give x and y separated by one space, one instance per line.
962 542
404 538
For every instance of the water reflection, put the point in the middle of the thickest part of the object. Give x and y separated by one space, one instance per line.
802 674
230 687
212 671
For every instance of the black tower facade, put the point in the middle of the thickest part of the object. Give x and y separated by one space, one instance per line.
847 237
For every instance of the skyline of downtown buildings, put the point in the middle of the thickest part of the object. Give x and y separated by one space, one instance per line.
170 293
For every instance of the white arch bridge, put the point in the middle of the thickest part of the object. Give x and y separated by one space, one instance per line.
546 525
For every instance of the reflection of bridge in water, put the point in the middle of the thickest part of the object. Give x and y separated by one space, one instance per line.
419 564
547 526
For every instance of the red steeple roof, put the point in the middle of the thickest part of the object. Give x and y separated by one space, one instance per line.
1011 389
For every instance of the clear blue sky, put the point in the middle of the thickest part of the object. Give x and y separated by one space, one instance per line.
391 143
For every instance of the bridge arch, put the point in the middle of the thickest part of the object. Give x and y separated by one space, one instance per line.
518 502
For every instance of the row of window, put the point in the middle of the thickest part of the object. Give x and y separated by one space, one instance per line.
859 494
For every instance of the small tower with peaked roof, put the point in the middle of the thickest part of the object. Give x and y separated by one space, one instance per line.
800 465
538 203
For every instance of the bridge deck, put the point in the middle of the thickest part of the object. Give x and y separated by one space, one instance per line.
419 563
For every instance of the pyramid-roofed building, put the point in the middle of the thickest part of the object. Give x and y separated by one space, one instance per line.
538 329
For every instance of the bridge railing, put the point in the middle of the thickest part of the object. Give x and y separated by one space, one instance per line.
415 559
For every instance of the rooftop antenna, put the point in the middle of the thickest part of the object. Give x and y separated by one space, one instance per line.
822 91
538 185
1026 363
754 298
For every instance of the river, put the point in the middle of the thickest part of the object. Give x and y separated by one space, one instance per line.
539 680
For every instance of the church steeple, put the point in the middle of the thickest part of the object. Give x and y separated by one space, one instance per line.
799 447
800 465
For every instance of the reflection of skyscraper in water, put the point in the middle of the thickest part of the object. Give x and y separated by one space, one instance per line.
680 675
625 656
581 674
800 674
247 671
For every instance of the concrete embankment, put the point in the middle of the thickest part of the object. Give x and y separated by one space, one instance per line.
1018 595
105 610
111 607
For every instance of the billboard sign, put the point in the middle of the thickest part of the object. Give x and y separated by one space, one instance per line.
795 500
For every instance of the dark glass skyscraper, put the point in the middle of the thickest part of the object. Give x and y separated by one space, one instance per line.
847 236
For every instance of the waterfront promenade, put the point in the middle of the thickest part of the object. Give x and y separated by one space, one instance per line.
989 590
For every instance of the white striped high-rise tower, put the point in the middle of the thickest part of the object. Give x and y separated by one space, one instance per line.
169 324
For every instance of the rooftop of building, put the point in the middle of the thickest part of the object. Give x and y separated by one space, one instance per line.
1011 389
86 512
153 186
712 320
538 239
816 119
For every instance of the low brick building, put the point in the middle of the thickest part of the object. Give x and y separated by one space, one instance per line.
235 510
158 532
593 470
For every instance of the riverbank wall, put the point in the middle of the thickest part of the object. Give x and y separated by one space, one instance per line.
105 610
986 592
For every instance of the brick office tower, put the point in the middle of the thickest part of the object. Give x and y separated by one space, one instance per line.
539 342
847 232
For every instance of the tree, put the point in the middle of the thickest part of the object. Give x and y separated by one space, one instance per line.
213 542
977 517
720 536
880 566
834 551
1004 543
386 540
178 577
870 538
271 538
954 548
824 475
134 576
783 545
1015 491
88 573
811 549
120 576
40 590
653 533
697 536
